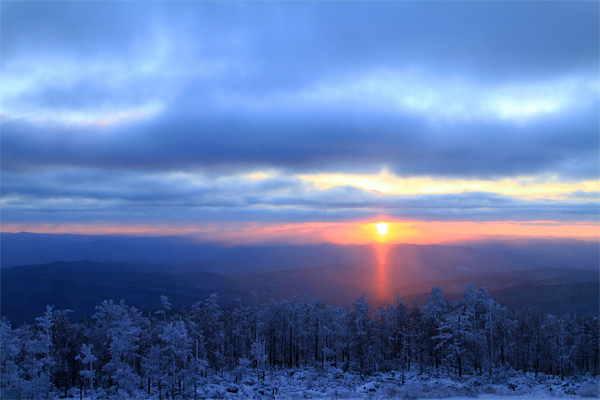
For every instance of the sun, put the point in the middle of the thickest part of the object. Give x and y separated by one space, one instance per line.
382 228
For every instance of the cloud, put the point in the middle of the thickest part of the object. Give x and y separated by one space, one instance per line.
440 99
72 195
580 194
293 43
161 111
203 86
314 141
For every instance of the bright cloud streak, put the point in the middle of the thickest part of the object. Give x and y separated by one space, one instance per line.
436 97
385 182
111 90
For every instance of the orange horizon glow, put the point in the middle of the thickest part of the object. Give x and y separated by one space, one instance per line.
382 289
381 233
363 232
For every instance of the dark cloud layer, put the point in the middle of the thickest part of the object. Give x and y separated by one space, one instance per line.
334 142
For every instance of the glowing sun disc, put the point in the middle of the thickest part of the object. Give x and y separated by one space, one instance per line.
382 228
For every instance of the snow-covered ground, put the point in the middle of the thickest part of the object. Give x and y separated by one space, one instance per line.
332 383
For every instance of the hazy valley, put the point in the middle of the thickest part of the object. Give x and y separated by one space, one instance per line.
79 272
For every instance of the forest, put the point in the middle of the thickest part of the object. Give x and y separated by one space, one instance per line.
121 352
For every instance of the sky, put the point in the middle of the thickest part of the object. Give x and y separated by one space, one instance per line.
301 122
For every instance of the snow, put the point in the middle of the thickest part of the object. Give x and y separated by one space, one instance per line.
330 384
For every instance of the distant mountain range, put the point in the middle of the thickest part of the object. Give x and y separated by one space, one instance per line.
78 273
30 248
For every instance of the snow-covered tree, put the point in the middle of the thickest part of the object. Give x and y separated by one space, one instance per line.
11 363
164 306
88 360
259 356
138 355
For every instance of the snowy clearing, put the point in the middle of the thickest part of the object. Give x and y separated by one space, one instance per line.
331 383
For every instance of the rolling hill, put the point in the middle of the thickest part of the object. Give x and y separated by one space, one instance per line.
553 276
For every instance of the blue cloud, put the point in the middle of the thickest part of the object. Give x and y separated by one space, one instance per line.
302 142
113 100
74 195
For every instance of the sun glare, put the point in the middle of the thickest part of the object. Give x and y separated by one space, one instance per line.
382 228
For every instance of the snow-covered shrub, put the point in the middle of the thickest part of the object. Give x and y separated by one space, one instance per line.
369 387
501 390
589 389
343 393
298 376
232 388
391 391
412 390
216 392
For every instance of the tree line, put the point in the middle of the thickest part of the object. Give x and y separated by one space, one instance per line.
124 351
